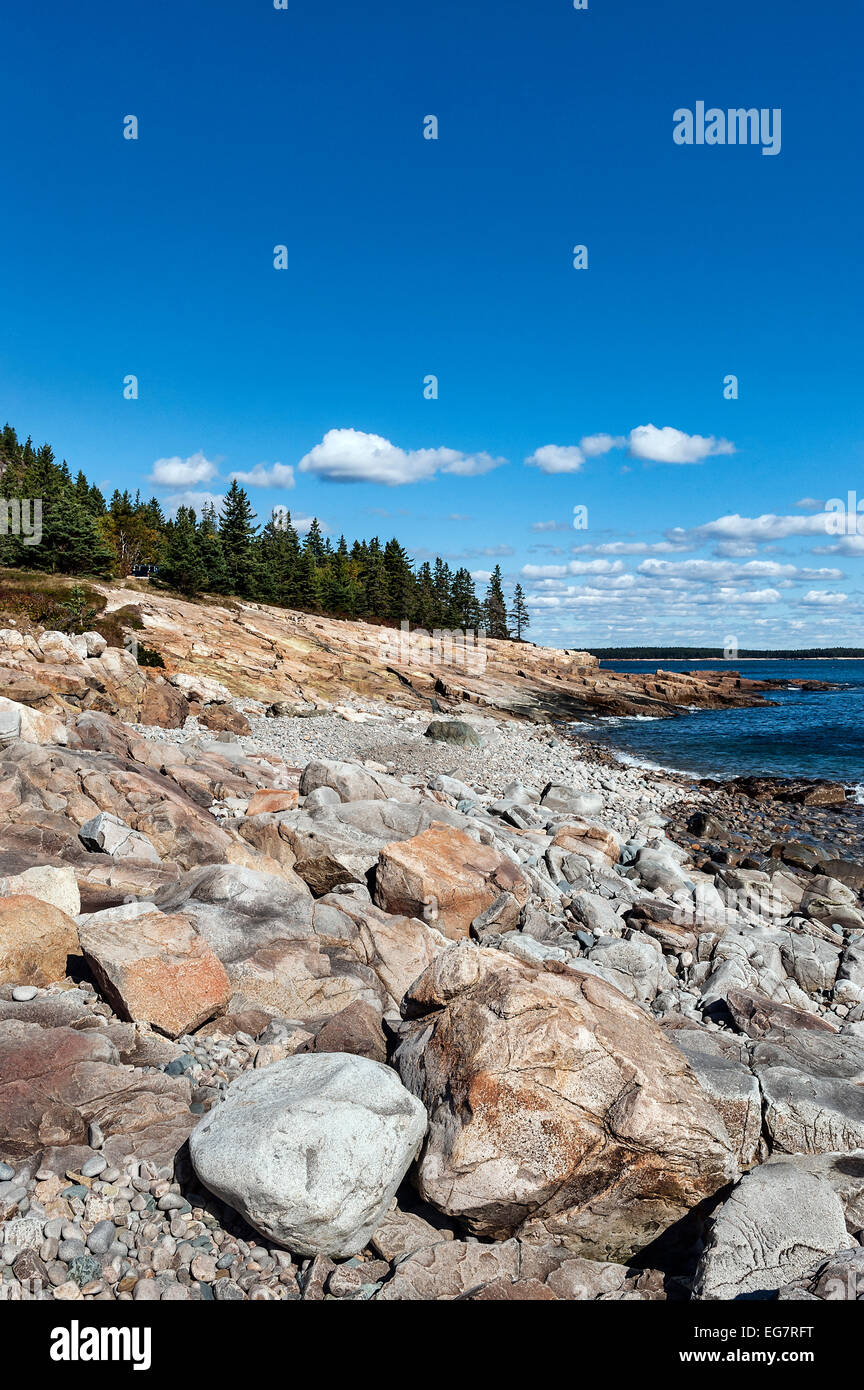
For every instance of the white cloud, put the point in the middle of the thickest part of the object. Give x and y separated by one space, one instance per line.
738 550
668 445
748 596
177 472
638 548
572 567
593 445
351 456
758 529
822 598
699 570
190 498
557 458
264 475
847 545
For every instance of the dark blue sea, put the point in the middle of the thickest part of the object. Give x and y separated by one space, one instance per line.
807 734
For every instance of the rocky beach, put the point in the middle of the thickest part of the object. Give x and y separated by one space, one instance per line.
328 976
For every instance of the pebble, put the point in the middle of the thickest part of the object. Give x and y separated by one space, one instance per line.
23 993
70 1250
102 1237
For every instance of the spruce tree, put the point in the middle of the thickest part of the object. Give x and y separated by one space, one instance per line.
208 543
494 607
181 566
519 615
237 532
400 583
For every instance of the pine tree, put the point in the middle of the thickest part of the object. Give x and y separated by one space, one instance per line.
181 566
464 606
519 615
237 532
399 579
308 583
376 599
314 542
425 599
208 543
494 607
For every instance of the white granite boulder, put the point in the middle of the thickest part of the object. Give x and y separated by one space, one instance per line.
311 1149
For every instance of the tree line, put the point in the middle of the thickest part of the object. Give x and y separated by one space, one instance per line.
718 654
228 553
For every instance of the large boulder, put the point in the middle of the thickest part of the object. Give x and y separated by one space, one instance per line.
557 1107
455 731
340 844
156 969
107 834
239 909
163 705
813 1091
591 842
201 688
839 1279
57 886
398 949
54 1082
311 1149
721 1063
298 956
30 725
777 1222
448 879
306 978
351 782
35 940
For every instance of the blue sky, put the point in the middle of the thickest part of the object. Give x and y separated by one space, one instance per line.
410 257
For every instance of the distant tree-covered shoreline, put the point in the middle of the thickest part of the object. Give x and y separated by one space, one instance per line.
717 654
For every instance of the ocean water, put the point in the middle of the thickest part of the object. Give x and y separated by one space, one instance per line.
807 734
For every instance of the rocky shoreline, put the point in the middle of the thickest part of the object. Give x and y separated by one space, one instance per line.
352 1000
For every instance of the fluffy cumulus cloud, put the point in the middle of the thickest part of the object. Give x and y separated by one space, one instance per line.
557 458
572 567
725 570
267 475
668 445
630 548
177 472
351 456
847 545
823 598
645 442
190 497
595 445
730 597
757 530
